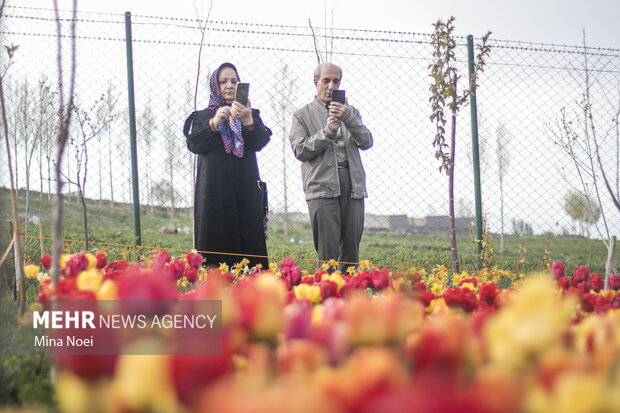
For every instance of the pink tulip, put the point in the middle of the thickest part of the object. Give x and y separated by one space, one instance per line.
556 270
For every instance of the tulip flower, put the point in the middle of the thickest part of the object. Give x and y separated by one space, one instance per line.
89 280
31 271
614 282
194 260
596 282
557 270
46 261
380 278
581 275
191 274
102 259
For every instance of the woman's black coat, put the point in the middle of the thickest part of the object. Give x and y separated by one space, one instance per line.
228 207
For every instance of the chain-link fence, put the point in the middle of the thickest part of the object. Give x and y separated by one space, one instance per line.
530 111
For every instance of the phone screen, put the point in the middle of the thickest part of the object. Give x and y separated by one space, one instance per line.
241 93
338 96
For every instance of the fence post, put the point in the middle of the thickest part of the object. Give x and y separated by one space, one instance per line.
474 138
132 132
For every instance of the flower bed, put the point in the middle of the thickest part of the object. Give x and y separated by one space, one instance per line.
370 341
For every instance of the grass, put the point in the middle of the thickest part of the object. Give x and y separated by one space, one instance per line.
112 229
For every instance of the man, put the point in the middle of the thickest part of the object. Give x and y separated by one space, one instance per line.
326 137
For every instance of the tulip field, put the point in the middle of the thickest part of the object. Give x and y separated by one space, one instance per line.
367 340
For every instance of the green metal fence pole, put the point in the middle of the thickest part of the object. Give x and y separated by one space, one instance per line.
474 138
132 132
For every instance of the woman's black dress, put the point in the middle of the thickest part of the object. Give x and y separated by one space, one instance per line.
228 206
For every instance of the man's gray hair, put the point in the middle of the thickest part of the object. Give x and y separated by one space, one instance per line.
317 70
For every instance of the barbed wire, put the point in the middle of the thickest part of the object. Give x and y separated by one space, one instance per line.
371 34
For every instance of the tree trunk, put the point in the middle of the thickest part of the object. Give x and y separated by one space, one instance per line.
19 259
501 208
111 169
609 265
453 249
85 221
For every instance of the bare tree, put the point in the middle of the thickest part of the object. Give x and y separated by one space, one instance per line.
107 111
48 131
89 126
328 39
16 235
171 142
578 135
503 161
444 92
285 89
65 111
202 27
148 127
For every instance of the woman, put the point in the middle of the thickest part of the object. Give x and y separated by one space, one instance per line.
228 205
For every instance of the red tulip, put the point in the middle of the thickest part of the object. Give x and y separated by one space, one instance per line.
328 288
460 298
88 366
473 281
588 301
137 284
420 286
102 259
564 283
426 297
488 292
596 282
117 266
614 282
191 374
290 270
194 260
46 261
191 274
380 278
581 275
76 264
178 266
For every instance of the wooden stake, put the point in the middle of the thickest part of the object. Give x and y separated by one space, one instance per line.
609 266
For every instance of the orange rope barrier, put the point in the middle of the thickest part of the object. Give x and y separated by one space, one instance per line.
225 253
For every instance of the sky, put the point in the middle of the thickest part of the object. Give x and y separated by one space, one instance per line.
538 21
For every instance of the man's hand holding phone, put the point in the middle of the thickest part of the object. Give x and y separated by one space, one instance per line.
333 123
339 106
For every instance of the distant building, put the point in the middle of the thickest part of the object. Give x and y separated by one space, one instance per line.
392 224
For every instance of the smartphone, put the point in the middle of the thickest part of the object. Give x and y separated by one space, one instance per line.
338 96
241 93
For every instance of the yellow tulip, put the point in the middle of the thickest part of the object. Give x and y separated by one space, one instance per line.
77 395
269 284
143 381
92 261
533 320
31 271
337 279
63 260
311 293
317 315
89 280
108 291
